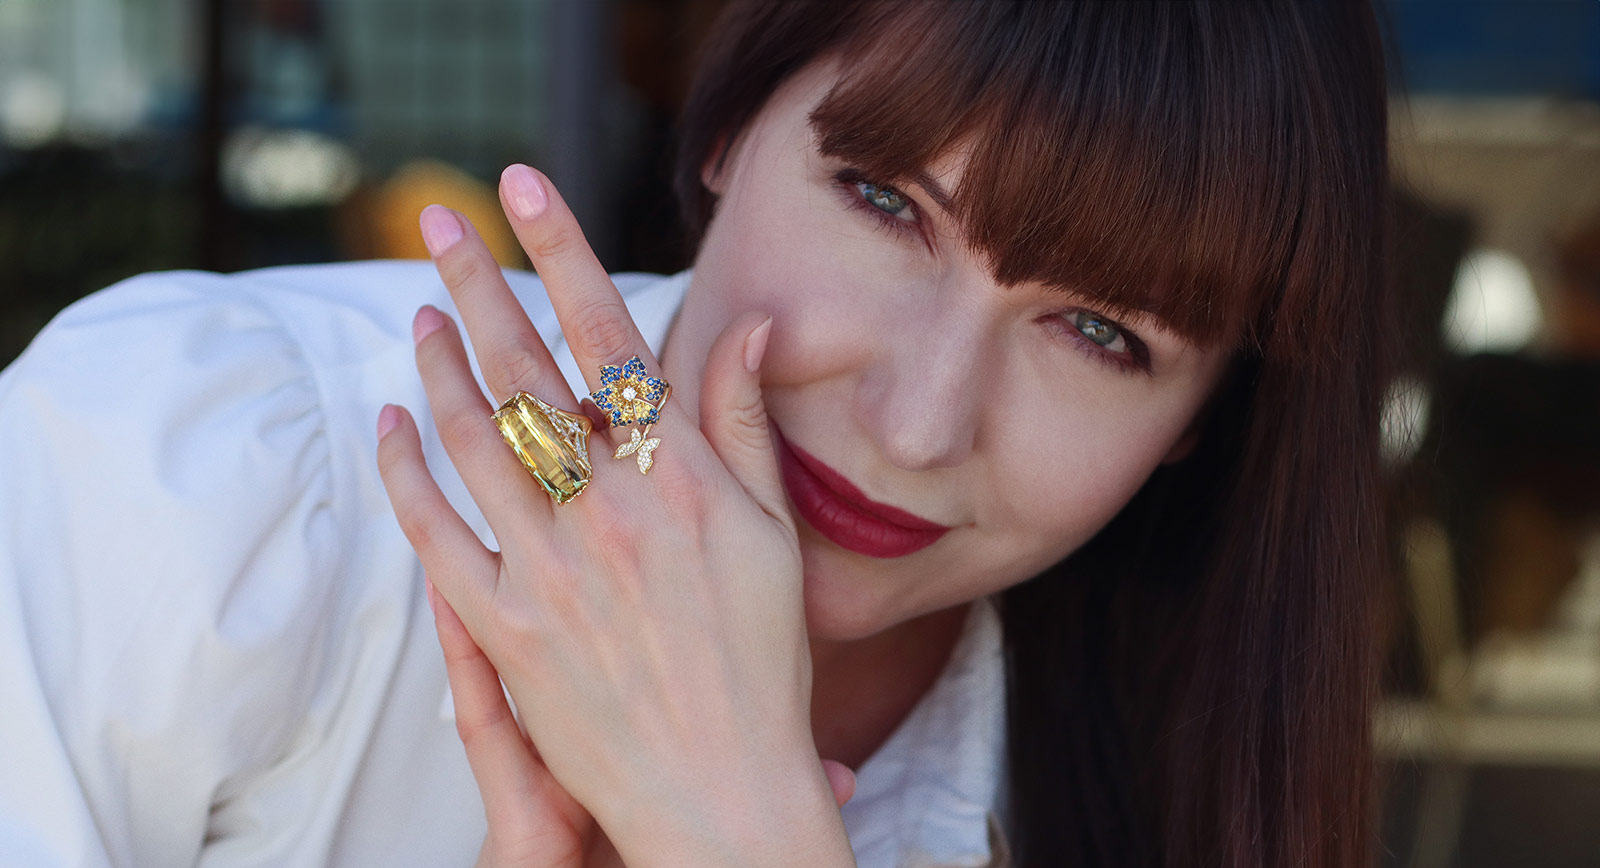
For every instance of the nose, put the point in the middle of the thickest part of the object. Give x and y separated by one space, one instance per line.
922 396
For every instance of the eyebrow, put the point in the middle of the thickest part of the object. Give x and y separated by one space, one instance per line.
935 190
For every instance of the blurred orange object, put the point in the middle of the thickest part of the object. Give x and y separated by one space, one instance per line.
382 224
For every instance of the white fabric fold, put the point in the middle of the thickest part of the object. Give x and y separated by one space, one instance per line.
214 648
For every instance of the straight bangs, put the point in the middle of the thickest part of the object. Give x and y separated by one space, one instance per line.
1142 155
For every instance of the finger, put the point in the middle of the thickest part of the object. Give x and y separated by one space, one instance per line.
443 542
733 416
510 352
500 486
594 320
520 796
841 779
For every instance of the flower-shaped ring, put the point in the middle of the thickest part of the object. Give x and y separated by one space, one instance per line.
630 396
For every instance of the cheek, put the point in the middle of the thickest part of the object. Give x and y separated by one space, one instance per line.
785 239
1067 475
828 313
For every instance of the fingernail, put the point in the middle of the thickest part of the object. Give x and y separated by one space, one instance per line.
755 346
388 417
427 321
433 602
524 193
440 229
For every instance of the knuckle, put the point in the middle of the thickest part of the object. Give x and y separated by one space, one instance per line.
457 655
511 367
464 271
681 495
555 242
603 331
515 623
750 420
463 431
609 517
614 540
476 726
420 529
562 606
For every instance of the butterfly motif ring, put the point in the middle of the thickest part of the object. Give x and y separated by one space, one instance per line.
630 396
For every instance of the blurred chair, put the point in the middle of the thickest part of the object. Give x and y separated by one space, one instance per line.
1502 558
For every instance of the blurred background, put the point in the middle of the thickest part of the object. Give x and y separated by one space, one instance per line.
229 134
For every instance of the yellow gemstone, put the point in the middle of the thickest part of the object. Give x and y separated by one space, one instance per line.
553 445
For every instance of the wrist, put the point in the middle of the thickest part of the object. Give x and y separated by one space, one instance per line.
784 816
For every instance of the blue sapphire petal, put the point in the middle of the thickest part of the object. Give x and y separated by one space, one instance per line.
610 374
635 368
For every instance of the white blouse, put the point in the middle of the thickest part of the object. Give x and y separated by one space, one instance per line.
214 649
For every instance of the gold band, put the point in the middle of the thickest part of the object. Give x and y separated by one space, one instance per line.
552 444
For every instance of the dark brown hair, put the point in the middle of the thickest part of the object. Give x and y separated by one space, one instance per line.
1192 687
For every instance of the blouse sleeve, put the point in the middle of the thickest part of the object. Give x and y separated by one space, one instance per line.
168 537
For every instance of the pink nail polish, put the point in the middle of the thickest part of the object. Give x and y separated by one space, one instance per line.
524 193
755 345
388 417
441 229
427 321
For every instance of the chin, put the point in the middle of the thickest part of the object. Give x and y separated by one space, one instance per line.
842 611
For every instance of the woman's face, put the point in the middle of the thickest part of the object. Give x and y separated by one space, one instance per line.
1015 416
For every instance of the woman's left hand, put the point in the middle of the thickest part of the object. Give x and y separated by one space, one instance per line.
651 631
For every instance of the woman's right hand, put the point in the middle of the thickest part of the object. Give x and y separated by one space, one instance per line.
533 822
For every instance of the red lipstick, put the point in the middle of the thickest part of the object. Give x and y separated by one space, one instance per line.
839 511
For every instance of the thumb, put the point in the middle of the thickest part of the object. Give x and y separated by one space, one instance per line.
733 417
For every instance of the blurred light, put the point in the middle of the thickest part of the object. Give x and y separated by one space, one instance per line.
287 168
1405 419
33 110
1493 307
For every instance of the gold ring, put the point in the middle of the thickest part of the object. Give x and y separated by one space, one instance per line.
630 396
552 444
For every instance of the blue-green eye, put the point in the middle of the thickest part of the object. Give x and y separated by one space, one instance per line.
1099 330
885 199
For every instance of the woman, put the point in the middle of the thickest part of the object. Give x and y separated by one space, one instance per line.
1056 322
1188 685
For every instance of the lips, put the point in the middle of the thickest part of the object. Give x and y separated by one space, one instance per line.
839 511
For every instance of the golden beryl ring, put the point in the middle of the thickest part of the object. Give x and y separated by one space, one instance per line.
628 395
552 444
